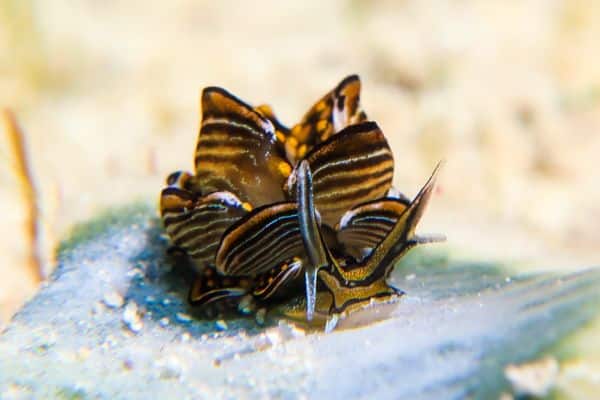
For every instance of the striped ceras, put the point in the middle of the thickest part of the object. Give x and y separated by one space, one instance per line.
269 206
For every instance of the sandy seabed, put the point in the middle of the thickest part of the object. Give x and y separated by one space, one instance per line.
506 92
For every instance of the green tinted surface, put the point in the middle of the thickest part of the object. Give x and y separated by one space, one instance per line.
450 337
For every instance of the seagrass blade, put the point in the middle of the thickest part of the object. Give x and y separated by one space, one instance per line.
237 150
365 226
355 166
333 112
196 224
264 239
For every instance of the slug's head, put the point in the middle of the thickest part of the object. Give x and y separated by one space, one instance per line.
351 285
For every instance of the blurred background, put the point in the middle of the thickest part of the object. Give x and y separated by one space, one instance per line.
507 92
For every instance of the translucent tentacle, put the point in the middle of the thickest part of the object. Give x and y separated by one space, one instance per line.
311 236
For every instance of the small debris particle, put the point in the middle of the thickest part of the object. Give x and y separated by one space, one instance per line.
113 300
247 305
332 323
135 273
169 368
98 308
185 337
221 325
132 318
263 342
183 317
83 353
108 342
164 321
166 301
128 364
283 332
410 277
142 265
236 354
261 316
533 379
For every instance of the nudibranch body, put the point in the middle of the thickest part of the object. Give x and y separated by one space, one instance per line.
271 213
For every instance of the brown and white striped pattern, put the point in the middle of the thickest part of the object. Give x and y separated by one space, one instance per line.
264 239
402 236
342 171
357 283
237 150
365 226
333 112
197 225
355 166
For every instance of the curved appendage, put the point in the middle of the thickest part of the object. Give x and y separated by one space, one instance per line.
180 180
362 228
196 224
316 250
266 237
355 166
210 287
352 286
402 237
237 150
333 112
